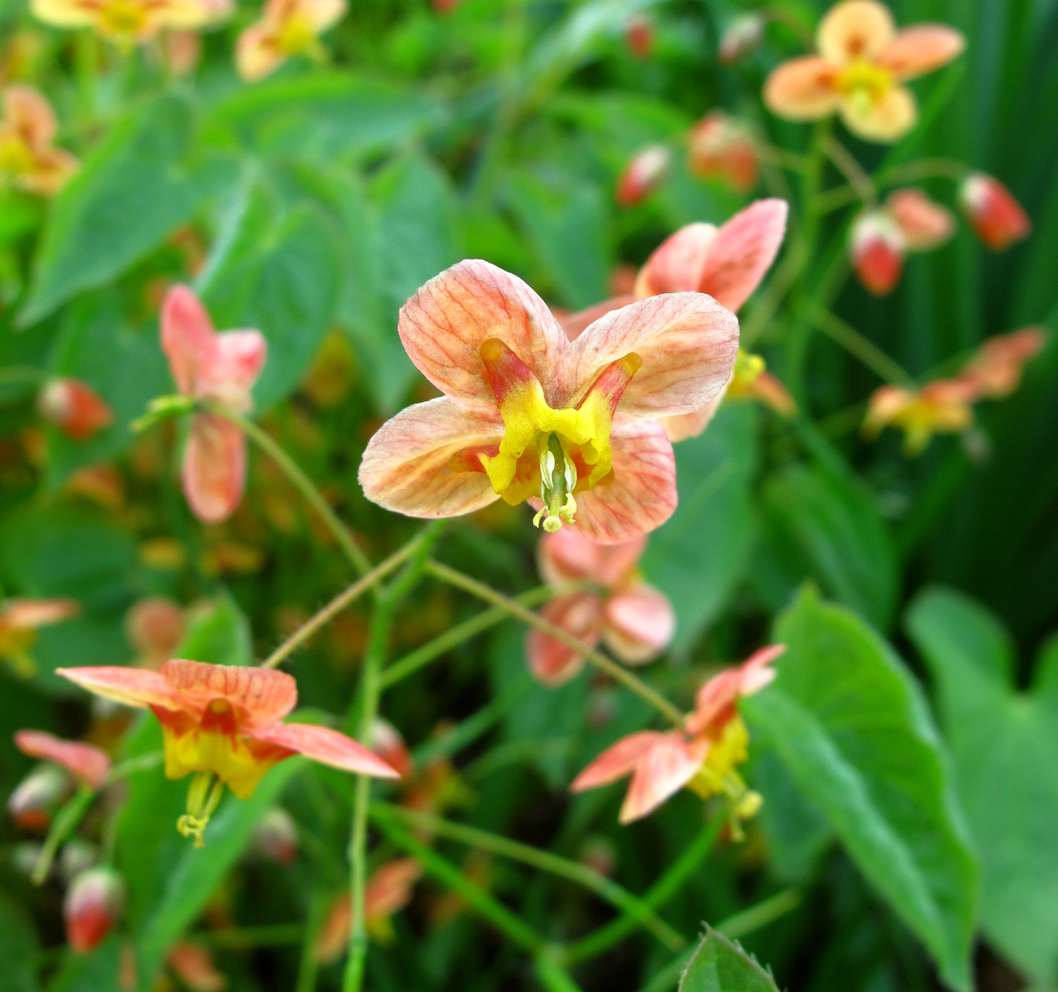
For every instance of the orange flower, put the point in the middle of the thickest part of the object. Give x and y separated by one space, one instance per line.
721 146
644 174
75 408
288 27
128 22
28 158
996 217
941 407
995 371
223 723
862 62
19 621
84 761
702 756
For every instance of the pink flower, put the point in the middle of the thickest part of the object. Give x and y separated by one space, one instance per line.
996 217
219 369
644 174
721 146
572 428
84 761
995 371
92 906
75 408
634 619
702 756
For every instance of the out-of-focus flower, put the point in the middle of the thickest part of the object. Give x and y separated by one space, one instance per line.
75 408
232 558
155 627
77 856
20 619
101 484
644 174
386 741
222 722
92 906
28 156
634 619
639 35
127 22
750 381
287 28
21 55
721 146
37 798
944 406
163 553
84 761
703 756
445 6
877 246
859 71
996 217
276 836
193 964
219 369
572 427
742 36
182 51
995 371
925 225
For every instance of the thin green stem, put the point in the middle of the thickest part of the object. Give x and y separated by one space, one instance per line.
778 286
247 938
755 918
866 351
309 963
64 824
851 169
611 668
602 886
781 157
667 979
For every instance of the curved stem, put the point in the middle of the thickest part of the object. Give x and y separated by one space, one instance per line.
64 824
866 351
851 170
750 920
599 660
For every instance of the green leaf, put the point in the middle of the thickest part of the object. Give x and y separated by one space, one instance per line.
130 193
851 726
699 554
18 947
217 633
1006 762
94 972
720 965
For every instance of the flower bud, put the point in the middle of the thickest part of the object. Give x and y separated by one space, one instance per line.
996 217
182 51
193 964
276 836
925 225
720 146
34 802
92 906
741 37
644 174
639 34
76 409
877 248
388 744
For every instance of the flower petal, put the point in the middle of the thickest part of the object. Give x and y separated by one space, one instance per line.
687 343
260 697
720 693
322 13
26 110
925 225
677 264
574 324
638 623
87 762
802 89
407 466
129 686
29 614
685 425
921 49
188 338
63 13
886 119
326 746
257 52
551 661
666 767
444 325
855 29
617 761
239 358
568 555
214 468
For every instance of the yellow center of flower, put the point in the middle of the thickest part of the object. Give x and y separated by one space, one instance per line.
922 418
122 18
297 35
16 159
747 371
864 83
718 776
550 453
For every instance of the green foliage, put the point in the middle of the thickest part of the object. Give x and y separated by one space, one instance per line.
719 965
18 947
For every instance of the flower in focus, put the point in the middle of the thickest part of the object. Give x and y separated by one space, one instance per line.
287 28
28 158
92 906
924 224
84 761
20 619
128 22
222 723
639 35
634 619
721 146
276 836
944 406
644 174
703 756
995 371
155 627
75 408
528 415
996 217
877 247
219 369
193 964
859 70
741 36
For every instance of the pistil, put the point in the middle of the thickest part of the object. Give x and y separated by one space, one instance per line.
558 479
202 800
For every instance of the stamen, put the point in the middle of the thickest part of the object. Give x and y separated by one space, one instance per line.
202 800
558 479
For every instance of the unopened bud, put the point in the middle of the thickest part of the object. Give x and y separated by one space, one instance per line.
741 37
644 174
37 797
639 34
276 836
193 965
76 409
720 146
925 225
996 217
877 249
92 906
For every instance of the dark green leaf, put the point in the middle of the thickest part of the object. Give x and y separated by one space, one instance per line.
18 947
720 965
94 972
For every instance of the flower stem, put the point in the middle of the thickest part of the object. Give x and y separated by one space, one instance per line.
516 609
866 351
756 917
851 170
64 824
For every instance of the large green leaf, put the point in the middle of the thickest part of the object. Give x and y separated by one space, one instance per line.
850 723
720 965
94 972
1006 762
18 947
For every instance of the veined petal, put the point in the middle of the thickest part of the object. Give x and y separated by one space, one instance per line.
855 29
444 325
886 119
64 13
408 465
803 89
258 52
685 425
188 338
617 761
237 362
87 762
214 468
30 115
260 697
921 49
551 661
677 264
665 768
567 555
574 324
326 746
129 686
638 623
687 343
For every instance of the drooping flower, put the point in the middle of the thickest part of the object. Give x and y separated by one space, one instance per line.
944 406
287 28
996 217
703 756
995 370
634 619
644 174
924 224
721 146
859 70
84 761
223 723
572 427
128 22
217 369
20 619
742 36
92 906
29 159
74 407
877 246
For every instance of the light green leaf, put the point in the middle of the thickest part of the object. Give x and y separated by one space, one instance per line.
720 965
851 726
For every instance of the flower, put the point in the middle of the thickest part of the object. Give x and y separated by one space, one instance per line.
193 964
633 618
924 224
28 158
639 36
222 722
877 246
92 906
84 761
288 28
155 627
721 146
75 408
572 427
644 174
35 799
20 619
995 371
701 756
996 217
862 62
128 22
219 369
750 381
943 406
741 36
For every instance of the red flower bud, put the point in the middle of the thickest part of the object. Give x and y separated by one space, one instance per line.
877 251
741 37
34 802
721 146
74 408
644 174
92 906
388 744
639 33
276 836
996 217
